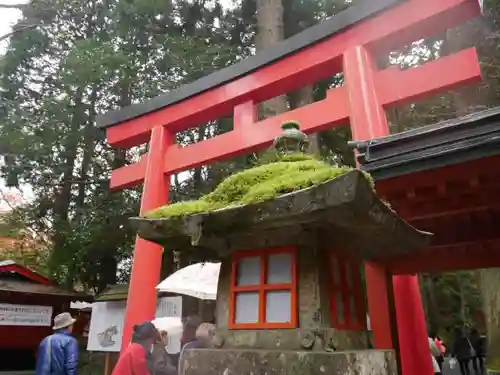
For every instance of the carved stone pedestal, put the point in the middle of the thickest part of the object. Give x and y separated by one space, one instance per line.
277 362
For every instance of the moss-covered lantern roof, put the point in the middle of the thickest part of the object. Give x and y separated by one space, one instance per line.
290 200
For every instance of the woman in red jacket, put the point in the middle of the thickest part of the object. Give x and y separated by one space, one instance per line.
133 361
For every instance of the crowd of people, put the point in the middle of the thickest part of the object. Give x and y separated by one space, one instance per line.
146 355
467 348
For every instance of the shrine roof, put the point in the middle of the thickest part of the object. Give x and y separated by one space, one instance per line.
17 278
27 287
451 142
334 25
117 292
10 267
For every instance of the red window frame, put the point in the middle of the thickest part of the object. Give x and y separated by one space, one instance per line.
347 292
262 288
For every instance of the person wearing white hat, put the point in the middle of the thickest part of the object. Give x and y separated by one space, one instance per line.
58 353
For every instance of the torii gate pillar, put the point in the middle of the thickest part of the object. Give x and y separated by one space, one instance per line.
146 267
368 121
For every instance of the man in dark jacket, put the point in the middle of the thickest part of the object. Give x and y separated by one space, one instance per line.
479 345
58 353
462 350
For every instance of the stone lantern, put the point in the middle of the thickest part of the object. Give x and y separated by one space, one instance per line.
290 295
292 140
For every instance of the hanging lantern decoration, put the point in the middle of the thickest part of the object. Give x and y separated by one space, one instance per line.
292 140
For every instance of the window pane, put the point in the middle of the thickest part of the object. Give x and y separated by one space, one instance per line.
353 311
279 268
339 307
278 307
247 307
248 271
335 271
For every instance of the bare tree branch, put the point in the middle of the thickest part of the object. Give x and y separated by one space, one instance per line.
13 6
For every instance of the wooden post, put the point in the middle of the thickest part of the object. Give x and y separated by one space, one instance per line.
107 363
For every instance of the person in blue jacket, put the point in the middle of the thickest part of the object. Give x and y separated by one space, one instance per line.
58 353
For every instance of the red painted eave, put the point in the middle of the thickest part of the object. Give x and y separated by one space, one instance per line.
460 204
26 272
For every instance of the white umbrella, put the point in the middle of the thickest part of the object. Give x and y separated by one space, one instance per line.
197 280
171 325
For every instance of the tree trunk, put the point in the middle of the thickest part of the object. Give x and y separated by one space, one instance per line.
301 98
197 174
88 133
431 305
269 32
463 302
490 287
88 154
474 33
63 196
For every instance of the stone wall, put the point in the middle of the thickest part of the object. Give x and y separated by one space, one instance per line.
254 362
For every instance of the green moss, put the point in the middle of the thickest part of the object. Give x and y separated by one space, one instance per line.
273 157
290 173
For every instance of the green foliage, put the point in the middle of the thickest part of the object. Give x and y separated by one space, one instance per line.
83 58
19 244
256 185
451 300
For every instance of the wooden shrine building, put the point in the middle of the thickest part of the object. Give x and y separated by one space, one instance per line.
445 179
442 178
28 304
347 43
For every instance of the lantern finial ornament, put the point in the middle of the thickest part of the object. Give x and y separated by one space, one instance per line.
292 140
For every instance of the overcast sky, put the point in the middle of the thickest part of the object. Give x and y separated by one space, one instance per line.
8 17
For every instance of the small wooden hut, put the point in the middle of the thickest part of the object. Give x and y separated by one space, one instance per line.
28 304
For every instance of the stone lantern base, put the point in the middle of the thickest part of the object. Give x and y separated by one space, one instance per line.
277 362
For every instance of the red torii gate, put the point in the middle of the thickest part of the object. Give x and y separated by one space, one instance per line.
346 43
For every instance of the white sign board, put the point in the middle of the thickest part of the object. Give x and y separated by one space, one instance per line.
171 307
106 326
25 315
107 320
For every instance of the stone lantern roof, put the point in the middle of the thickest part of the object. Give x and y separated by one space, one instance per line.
337 205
